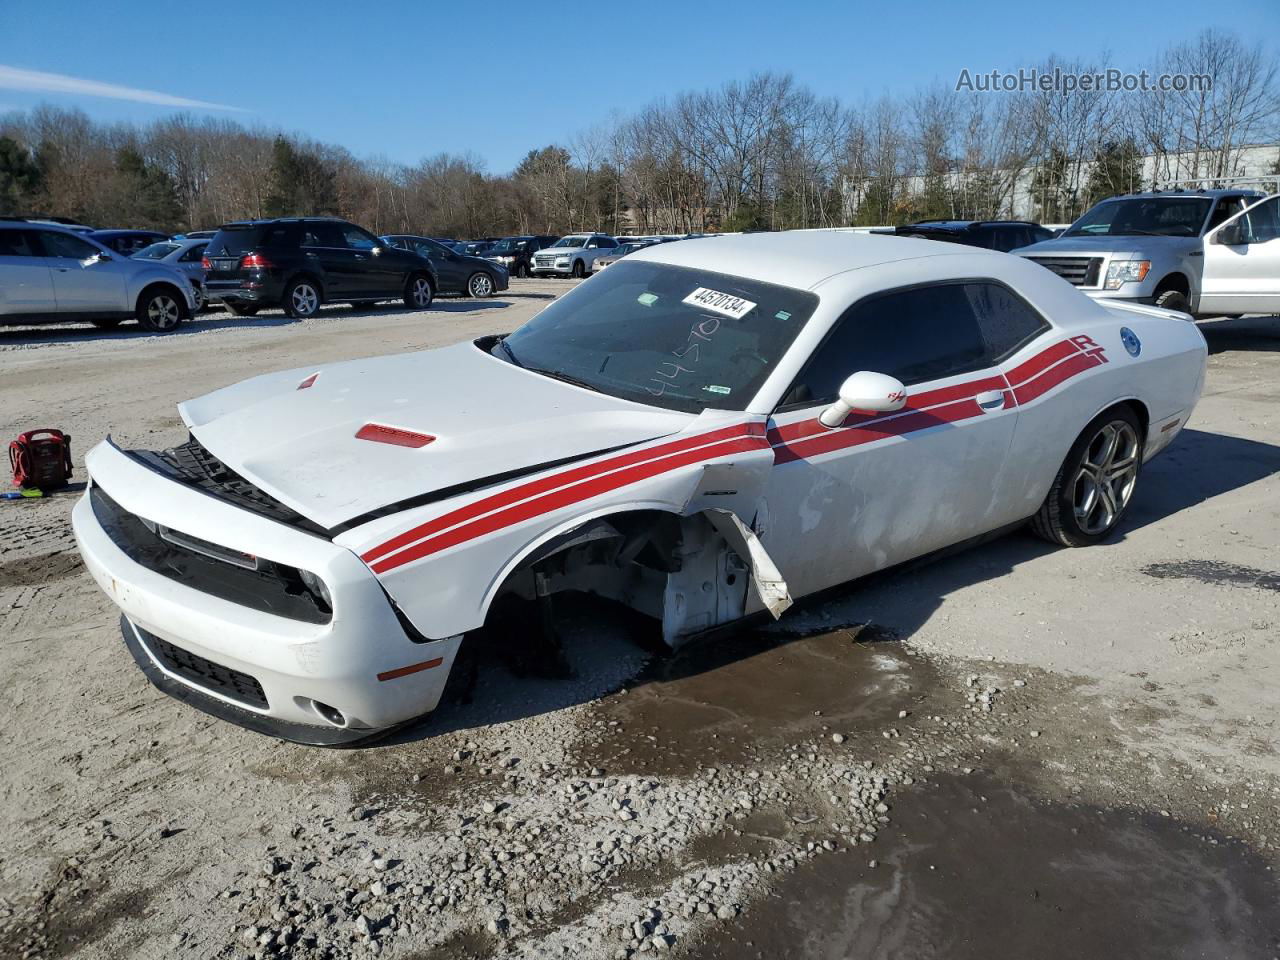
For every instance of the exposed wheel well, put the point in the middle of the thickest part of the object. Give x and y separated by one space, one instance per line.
1139 410
158 285
1174 281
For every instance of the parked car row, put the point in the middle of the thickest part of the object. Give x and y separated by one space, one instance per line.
49 272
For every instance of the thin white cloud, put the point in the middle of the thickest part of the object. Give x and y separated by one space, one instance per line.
35 81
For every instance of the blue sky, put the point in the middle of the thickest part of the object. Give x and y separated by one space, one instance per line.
405 80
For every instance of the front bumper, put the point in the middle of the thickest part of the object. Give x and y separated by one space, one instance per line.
360 665
563 270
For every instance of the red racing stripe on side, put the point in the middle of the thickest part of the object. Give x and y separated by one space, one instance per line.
843 438
563 497
543 484
1059 374
792 432
1042 361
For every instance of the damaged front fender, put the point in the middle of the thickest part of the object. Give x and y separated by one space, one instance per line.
671 529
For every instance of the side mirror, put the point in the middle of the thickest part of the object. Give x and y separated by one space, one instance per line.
874 392
376 251
100 257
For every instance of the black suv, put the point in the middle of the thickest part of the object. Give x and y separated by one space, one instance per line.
299 263
1002 235
516 253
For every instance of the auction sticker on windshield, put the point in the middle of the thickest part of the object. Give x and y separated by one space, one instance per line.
717 302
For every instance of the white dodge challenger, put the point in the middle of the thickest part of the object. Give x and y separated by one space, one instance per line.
703 432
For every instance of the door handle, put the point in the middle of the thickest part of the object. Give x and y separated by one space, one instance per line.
991 401
361 256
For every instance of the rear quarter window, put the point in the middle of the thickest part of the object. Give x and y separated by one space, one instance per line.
237 241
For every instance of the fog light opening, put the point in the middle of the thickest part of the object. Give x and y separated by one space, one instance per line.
331 714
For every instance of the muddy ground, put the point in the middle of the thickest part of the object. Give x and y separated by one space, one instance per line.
1011 751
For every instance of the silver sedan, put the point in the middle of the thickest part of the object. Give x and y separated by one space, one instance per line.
186 256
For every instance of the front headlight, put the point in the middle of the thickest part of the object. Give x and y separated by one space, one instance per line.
1126 271
317 588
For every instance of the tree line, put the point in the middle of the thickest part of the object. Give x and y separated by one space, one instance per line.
761 153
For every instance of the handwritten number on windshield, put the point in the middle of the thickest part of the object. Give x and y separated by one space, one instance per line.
702 331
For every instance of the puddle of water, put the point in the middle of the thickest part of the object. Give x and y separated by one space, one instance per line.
730 699
974 869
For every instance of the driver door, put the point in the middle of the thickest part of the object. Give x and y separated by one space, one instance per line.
883 488
1242 262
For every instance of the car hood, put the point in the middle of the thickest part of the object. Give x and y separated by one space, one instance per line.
489 418
1123 247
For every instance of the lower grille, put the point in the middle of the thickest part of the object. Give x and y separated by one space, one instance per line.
266 586
1077 271
206 674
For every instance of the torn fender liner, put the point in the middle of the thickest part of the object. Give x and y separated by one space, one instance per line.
765 575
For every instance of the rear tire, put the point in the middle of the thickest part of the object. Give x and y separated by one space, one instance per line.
242 311
302 299
160 309
1095 485
418 293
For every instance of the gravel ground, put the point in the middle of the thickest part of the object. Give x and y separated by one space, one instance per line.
1012 750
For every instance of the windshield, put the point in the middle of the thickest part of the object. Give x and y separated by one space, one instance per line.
672 337
622 249
1139 216
570 242
157 251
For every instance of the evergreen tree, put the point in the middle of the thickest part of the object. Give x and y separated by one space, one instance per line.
1051 191
1117 168
20 178
150 193
302 184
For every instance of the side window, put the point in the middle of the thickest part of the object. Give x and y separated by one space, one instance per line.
323 235
425 249
195 254
1262 223
608 243
915 335
357 239
1227 207
17 243
988 237
280 236
1005 319
65 245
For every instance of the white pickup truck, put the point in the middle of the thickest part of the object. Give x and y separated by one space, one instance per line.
572 256
1204 252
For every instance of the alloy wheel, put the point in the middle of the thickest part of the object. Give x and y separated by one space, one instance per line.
305 300
421 293
1108 473
163 312
481 285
